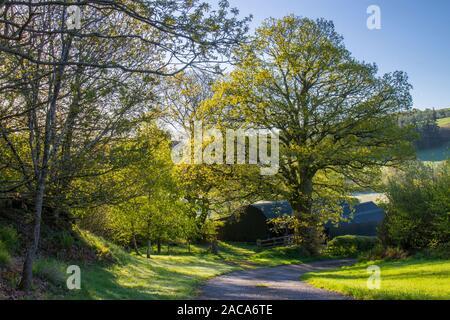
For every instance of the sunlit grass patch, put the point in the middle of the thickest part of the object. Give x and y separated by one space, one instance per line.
406 279
262 285
161 277
177 275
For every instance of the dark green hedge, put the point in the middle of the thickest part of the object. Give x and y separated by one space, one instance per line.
350 245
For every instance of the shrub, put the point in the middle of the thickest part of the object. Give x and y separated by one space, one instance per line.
417 215
10 238
381 253
5 257
438 252
395 253
50 270
350 245
64 240
102 250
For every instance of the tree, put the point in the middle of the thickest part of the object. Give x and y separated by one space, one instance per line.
125 221
418 207
337 118
47 63
154 210
426 125
210 190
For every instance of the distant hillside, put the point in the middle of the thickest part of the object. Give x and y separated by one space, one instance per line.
433 127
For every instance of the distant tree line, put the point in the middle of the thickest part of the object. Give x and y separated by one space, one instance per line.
425 122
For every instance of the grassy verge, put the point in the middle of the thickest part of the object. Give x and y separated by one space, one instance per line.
167 276
248 256
405 279
444 123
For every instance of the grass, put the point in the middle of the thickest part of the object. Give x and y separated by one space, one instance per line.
262 285
5 257
444 122
245 255
406 279
9 237
8 244
162 277
50 270
174 276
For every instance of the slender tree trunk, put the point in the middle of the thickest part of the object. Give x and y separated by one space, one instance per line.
149 248
136 249
27 272
50 123
149 242
159 246
214 247
63 180
201 220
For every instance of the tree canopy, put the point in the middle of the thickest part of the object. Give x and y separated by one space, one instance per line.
336 115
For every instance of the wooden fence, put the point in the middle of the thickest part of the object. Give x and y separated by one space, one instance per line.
274 242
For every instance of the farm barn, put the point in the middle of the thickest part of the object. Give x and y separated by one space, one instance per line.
363 220
250 223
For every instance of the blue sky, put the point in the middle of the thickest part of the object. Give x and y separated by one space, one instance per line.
414 37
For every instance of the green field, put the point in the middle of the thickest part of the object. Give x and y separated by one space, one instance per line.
444 122
406 279
174 276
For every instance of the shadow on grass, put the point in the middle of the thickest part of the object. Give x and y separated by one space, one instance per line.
161 277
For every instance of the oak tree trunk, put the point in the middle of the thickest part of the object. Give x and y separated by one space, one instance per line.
308 230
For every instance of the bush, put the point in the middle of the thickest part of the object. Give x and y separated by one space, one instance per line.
381 253
417 215
102 250
438 252
350 246
5 257
10 238
50 270
64 240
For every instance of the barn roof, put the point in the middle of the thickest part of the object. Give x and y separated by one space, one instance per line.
359 213
363 212
273 209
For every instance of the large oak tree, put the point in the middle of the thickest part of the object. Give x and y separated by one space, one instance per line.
336 115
